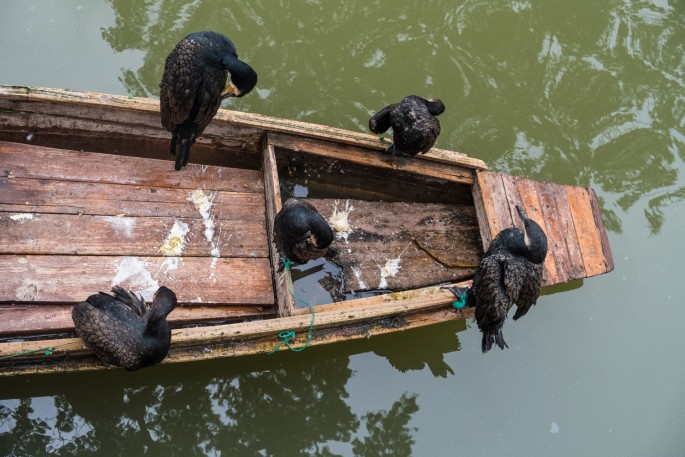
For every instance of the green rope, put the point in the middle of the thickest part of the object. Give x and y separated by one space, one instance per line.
133 93
48 351
460 303
287 336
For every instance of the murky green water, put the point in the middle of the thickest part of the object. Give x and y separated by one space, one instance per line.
582 92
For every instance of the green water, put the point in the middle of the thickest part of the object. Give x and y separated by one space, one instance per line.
576 92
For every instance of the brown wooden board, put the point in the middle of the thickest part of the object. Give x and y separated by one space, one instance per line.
402 245
36 162
31 319
570 216
355 154
108 199
36 233
58 278
272 193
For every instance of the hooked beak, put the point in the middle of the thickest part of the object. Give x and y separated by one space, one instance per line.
523 216
230 91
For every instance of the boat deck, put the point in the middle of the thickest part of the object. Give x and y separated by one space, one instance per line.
569 215
75 223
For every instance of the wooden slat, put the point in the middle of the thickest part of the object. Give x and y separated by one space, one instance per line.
362 311
36 162
402 245
35 233
106 199
494 204
586 231
373 158
599 223
73 278
556 244
109 111
529 197
272 194
42 319
578 246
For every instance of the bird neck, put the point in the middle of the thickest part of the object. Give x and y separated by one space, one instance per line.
242 75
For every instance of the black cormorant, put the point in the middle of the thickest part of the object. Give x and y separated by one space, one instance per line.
122 330
414 125
194 84
509 273
301 233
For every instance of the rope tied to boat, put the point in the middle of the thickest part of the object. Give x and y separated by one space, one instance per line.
48 350
287 336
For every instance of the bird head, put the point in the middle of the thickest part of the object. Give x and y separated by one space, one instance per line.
163 302
243 77
534 238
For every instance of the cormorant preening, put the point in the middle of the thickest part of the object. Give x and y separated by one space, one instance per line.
414 125
122 330
510 272
194 84
301 233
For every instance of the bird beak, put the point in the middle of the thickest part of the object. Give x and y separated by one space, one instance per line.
230 91
523 216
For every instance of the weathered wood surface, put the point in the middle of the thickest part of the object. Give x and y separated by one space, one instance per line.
272 195
364 318
36 109
402 245
36 233
27 319
36 162
570 216
202 280
46 195
75 223
362 156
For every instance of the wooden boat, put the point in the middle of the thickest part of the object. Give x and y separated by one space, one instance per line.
89 198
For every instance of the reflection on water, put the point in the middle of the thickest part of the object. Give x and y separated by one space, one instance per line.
280 406
534 89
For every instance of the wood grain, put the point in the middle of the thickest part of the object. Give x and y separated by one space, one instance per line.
371 158
57 278
402 245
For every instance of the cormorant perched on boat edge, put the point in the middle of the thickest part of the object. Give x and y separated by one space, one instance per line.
122 330
509 273
414 125
194 84
301 233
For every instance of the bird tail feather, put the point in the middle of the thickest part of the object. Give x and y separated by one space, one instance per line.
493 336
184 137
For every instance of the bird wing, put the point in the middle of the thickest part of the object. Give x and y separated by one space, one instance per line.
493 298
113 340
180 83
135 302
530 290
380 122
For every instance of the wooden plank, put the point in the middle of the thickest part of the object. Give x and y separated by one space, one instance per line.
272 194
556 245
402 245
529 197
494 203
479 204
49 109
586 230
57 278
599 223
36 162
112 109
28 319
577 269
61 363
106 199
35 233
363 311
373 158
